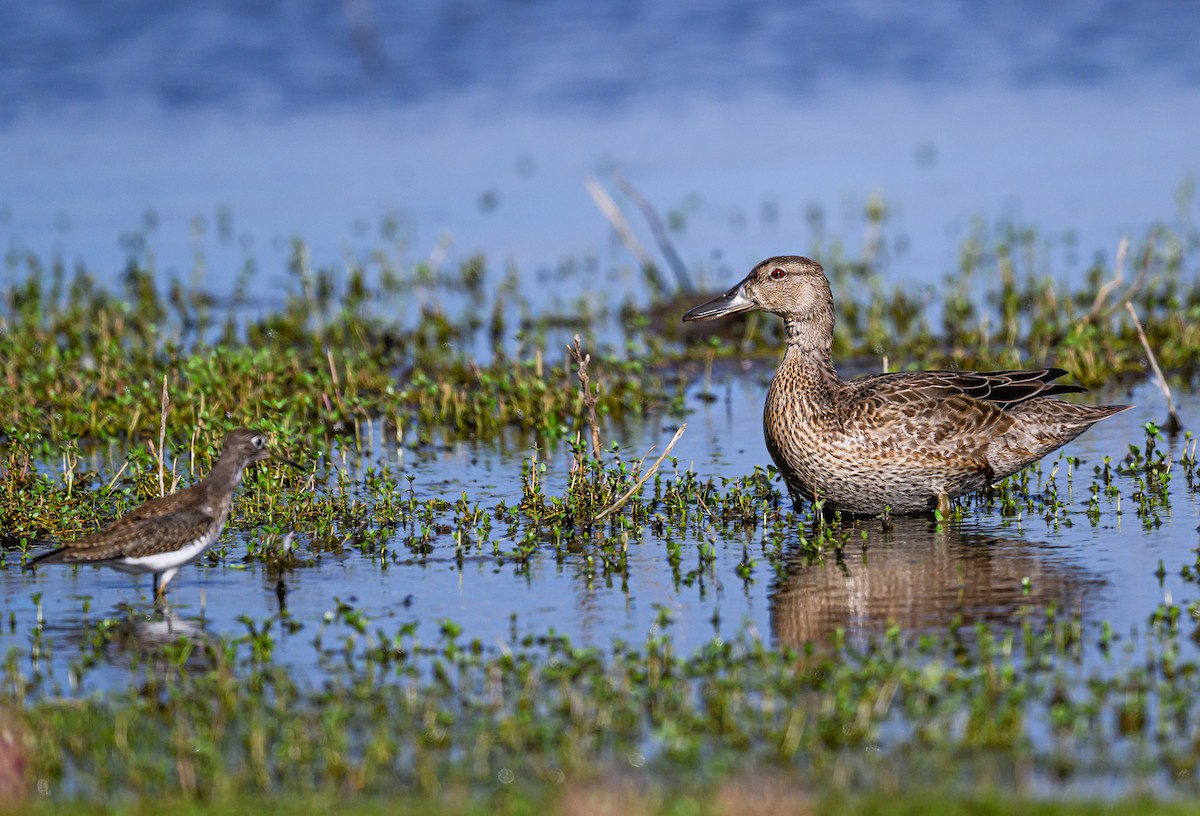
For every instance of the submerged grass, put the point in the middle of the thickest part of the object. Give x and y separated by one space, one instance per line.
218 718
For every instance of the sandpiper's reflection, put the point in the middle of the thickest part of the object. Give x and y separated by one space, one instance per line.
161 627
919 575
156 636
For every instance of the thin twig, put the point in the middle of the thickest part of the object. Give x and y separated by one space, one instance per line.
1145 270
589 398
118 476
1172 425
162 439
1102 294
612 508
1099 310
660 232
620 226
700 501
337 397
195 439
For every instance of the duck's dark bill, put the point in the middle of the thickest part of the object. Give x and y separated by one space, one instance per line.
731 302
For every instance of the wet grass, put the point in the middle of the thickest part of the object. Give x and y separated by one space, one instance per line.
452 724
325 356
218 718
601 799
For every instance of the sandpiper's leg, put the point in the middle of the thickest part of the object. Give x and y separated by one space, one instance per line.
943 505
162 580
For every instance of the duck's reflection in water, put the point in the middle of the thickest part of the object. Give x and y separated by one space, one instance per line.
920 576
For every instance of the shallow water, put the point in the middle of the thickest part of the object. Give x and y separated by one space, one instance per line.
912 574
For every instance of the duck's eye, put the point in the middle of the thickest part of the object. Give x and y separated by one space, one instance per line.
777 273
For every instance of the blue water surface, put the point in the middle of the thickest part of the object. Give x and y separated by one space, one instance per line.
197 136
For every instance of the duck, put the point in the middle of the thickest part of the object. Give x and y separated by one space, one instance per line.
896 443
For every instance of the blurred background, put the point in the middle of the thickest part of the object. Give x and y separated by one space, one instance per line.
209 135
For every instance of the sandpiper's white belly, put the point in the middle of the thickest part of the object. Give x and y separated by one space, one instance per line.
161 562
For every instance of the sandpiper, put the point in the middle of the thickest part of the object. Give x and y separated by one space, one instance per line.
906 442
165 534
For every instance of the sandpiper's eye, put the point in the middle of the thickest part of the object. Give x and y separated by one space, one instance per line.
257 441
777 273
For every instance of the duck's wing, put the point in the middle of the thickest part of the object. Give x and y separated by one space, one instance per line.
1003 388
953 426
947 413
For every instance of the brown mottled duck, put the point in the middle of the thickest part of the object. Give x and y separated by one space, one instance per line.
902 443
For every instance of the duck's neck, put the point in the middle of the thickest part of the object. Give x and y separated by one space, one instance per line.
810 334
807 363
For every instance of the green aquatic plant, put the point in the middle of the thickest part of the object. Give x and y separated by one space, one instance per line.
363 372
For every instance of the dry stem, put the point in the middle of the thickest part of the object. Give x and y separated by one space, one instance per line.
162 439
1104 291
589 398
660 232
612 508
1099 308
1172 424
620 226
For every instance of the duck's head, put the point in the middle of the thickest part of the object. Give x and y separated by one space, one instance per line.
791 286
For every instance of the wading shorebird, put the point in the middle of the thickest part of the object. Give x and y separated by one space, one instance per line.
166 534
906 442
